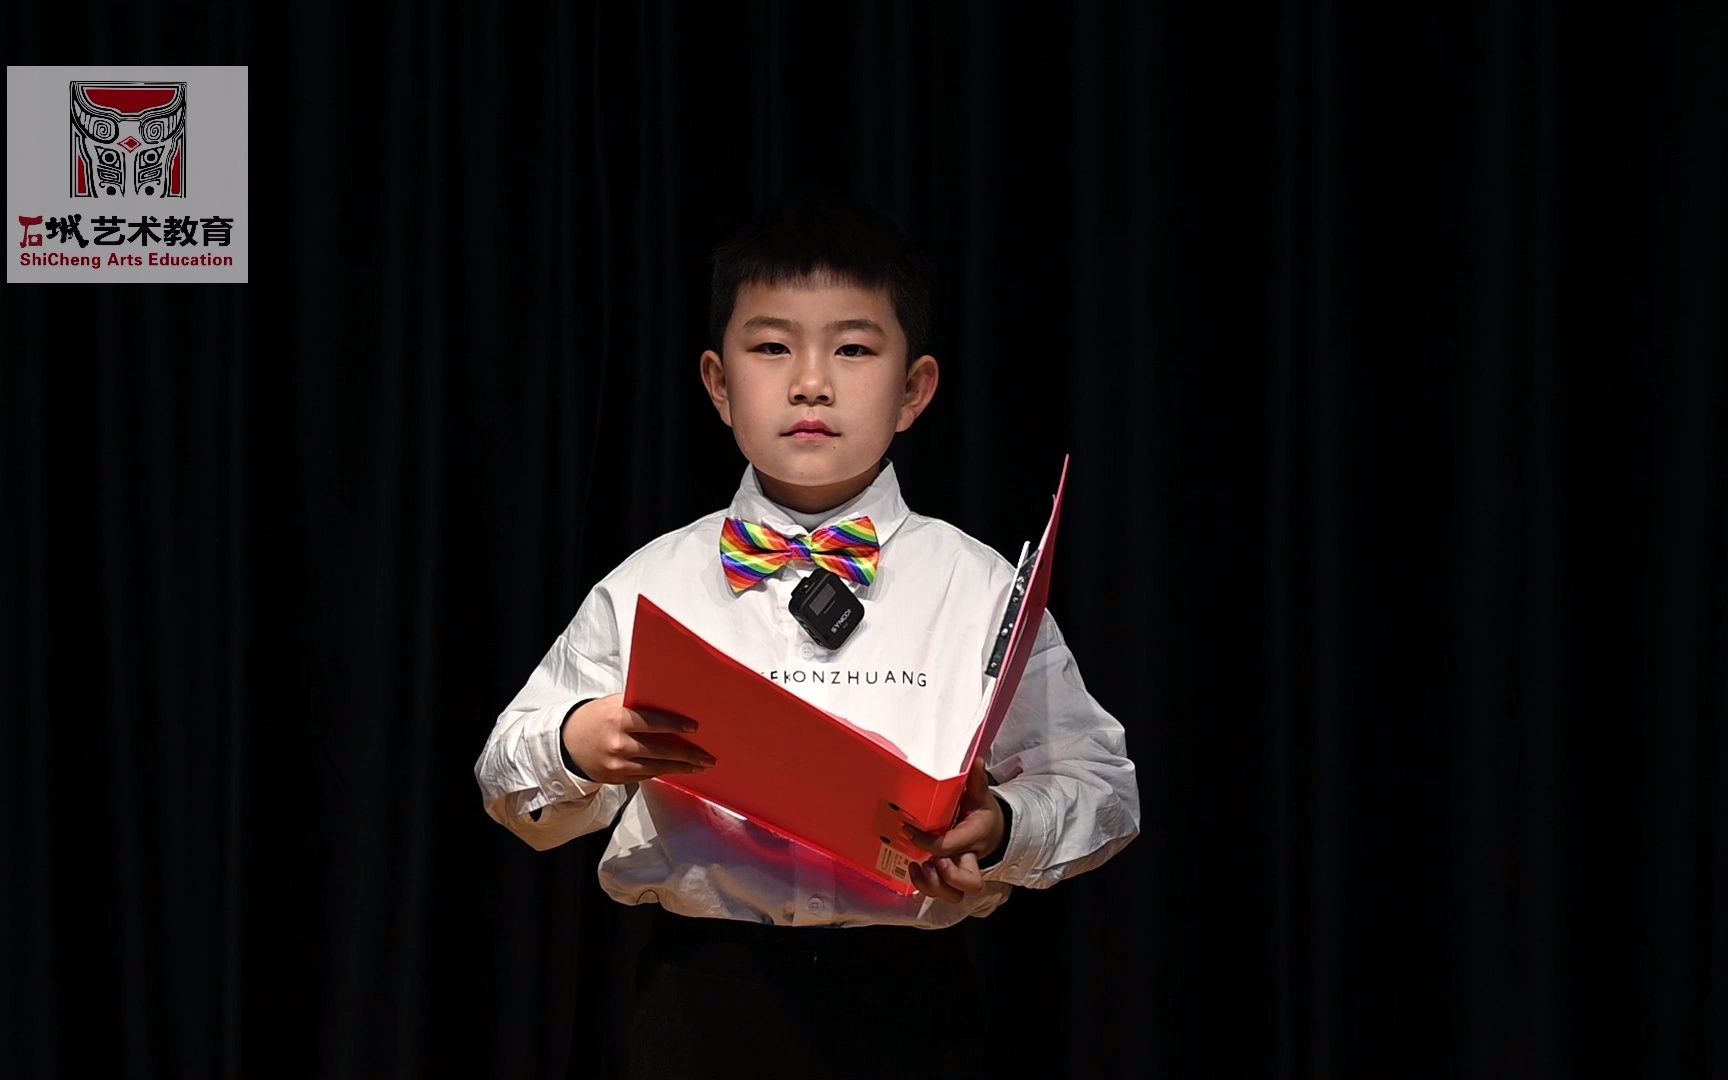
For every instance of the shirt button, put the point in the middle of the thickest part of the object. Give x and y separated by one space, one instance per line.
816 904
557 787
807 651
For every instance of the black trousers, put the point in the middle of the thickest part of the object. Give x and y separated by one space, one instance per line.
716 997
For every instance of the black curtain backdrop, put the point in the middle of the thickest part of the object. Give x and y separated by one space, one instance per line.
1391 355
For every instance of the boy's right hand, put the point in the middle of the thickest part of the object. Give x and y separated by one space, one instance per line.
615 745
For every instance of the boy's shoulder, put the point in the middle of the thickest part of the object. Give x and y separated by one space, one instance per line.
946 562
700 536
935 537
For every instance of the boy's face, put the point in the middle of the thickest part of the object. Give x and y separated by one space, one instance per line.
822 353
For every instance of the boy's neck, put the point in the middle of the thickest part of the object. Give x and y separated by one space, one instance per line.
816 500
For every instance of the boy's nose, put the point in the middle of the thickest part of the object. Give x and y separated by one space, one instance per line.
810 381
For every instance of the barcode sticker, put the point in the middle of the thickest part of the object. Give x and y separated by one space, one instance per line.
893 863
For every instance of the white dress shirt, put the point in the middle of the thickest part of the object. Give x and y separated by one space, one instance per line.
913 672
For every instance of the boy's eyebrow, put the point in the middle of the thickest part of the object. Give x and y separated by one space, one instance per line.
772 322
858 324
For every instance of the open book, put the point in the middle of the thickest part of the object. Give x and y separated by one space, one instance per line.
811 776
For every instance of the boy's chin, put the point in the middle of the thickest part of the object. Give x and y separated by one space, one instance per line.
815 482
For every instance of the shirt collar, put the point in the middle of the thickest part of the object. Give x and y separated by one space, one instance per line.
880 502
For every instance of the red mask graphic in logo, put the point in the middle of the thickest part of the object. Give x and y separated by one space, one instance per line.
128 138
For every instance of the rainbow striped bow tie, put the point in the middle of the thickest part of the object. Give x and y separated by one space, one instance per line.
750 551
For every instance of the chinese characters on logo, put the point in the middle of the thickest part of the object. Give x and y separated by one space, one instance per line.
113 231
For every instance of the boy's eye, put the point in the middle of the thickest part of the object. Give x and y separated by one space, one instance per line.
862 350
769 346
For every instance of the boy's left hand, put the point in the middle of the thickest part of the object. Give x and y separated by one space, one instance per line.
953 872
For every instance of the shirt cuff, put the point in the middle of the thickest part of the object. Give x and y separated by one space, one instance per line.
564 747
544 739
990 861
1022 855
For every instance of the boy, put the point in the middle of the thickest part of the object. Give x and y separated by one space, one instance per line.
765 953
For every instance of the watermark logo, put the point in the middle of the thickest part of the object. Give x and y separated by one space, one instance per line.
128 137
99 177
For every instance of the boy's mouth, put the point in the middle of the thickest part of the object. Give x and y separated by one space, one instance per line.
810 429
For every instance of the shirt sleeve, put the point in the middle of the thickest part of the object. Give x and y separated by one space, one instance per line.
523 780
1062 763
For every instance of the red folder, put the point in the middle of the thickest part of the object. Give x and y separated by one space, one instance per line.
804 773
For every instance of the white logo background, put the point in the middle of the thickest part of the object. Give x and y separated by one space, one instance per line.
38 148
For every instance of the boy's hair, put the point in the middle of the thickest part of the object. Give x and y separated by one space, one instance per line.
825 234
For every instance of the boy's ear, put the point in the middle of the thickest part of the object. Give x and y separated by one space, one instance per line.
714 378
921 379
